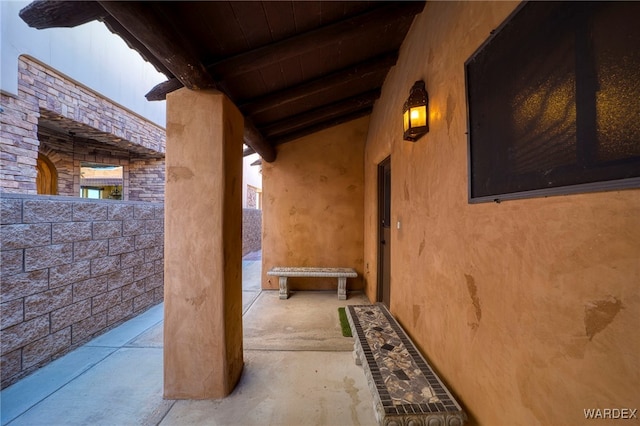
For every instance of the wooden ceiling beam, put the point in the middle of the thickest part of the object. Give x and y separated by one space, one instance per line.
323 114
253 106
323 84
42 14
321 126
140 20
255 59
253 138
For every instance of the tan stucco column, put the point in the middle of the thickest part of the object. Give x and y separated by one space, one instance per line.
203 246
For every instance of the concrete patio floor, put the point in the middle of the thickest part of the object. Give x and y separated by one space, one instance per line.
298 370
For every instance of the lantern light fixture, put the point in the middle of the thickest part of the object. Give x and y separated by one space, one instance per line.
415 113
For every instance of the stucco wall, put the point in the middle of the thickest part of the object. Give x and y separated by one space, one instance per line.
313 206
528 309
203 356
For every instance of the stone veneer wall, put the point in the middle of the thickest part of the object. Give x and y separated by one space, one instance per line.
251 230
143 178
146 180
44 93
18 144
67 153
72 269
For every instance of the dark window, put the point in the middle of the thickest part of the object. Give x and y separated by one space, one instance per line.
554 102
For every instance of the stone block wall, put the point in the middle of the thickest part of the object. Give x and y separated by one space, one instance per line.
70 270
251 230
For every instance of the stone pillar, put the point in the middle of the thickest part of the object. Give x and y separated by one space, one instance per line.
203 246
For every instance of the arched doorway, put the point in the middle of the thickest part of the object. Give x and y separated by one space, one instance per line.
47 178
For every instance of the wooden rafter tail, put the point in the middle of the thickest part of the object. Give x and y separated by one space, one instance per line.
248 151
254 139
67 14
160 91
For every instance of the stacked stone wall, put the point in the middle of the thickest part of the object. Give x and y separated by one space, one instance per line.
58 148
111 134
251 230
18 143
67 154
146 180
70 270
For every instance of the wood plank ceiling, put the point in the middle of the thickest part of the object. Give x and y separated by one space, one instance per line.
292 67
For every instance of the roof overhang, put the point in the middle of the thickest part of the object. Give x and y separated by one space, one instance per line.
292 67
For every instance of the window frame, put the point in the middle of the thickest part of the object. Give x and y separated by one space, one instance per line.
578 188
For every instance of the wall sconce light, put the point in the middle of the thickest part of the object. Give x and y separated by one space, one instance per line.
415 113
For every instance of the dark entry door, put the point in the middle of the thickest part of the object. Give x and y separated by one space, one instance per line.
384 232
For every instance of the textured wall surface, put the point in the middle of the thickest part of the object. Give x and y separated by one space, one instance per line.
71 269
203 355
313 206
251 230
146 179
528 309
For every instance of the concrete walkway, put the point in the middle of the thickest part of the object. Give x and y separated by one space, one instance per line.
298 371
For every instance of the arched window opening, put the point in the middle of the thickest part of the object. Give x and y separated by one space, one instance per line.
47 177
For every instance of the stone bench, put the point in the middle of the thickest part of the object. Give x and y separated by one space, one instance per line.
406 391
340 273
